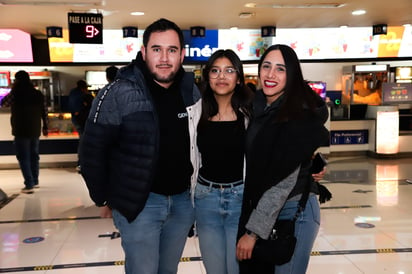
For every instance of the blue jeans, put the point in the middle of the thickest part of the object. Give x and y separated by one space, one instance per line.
217 213
306 230
27 153
153 243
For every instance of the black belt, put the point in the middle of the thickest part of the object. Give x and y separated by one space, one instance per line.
205 182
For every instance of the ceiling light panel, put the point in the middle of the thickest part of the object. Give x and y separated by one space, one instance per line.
297 6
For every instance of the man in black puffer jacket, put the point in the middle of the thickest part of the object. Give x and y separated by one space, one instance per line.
138 154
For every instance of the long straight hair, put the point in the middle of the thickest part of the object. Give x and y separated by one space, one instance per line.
242 95
23 89
298 96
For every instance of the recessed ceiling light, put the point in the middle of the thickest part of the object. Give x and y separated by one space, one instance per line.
245 15
250 5
358 12
137 13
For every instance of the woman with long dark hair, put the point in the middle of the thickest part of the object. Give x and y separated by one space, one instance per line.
286 129
226 102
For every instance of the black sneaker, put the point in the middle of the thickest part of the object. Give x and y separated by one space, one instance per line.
36 186
27 190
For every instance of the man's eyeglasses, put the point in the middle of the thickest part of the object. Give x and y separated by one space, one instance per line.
228 72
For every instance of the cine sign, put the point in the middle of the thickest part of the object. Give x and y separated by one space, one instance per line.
85 28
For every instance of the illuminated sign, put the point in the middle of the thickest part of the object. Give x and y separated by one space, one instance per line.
15 46
85 28
200 48
349 137
114 48
387 131
396 93
309 44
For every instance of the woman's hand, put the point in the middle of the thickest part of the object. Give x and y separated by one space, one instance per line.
319 176
105 212
245 247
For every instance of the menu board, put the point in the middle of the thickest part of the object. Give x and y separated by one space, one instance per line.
115 48
395 93
309 44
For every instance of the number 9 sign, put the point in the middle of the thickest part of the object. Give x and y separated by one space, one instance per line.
85 28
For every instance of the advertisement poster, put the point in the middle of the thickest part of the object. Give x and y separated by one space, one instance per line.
15 46
330 43
247 43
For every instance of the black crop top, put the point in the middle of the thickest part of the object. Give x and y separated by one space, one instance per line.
222 148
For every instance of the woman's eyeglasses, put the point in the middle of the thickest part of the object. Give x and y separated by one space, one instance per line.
228 72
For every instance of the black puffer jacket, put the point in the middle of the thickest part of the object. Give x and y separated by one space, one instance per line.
119 147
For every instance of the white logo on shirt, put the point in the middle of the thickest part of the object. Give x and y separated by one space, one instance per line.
182 115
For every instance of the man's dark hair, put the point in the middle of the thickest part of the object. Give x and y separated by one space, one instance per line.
111 73
22 76
81 84
160 26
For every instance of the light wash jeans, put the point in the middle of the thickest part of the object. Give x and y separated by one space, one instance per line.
306 230
217 213
27 153
153 243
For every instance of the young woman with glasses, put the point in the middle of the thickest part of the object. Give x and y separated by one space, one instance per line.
221 136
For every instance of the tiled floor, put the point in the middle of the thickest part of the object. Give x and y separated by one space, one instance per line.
366 227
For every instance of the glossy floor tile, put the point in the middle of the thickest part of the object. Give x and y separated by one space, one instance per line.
365 228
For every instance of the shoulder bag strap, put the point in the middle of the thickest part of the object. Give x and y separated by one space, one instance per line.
303 200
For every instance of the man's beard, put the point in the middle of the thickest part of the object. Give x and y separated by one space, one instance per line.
165 80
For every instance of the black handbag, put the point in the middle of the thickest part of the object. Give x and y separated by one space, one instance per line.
278 249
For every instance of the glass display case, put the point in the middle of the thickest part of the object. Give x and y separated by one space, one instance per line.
48 83
60 125
362 86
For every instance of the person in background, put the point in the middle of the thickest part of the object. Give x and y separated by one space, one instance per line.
286 129
76 107
226 102
111 73
75 103
138 155
87 100
28 110
86 104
